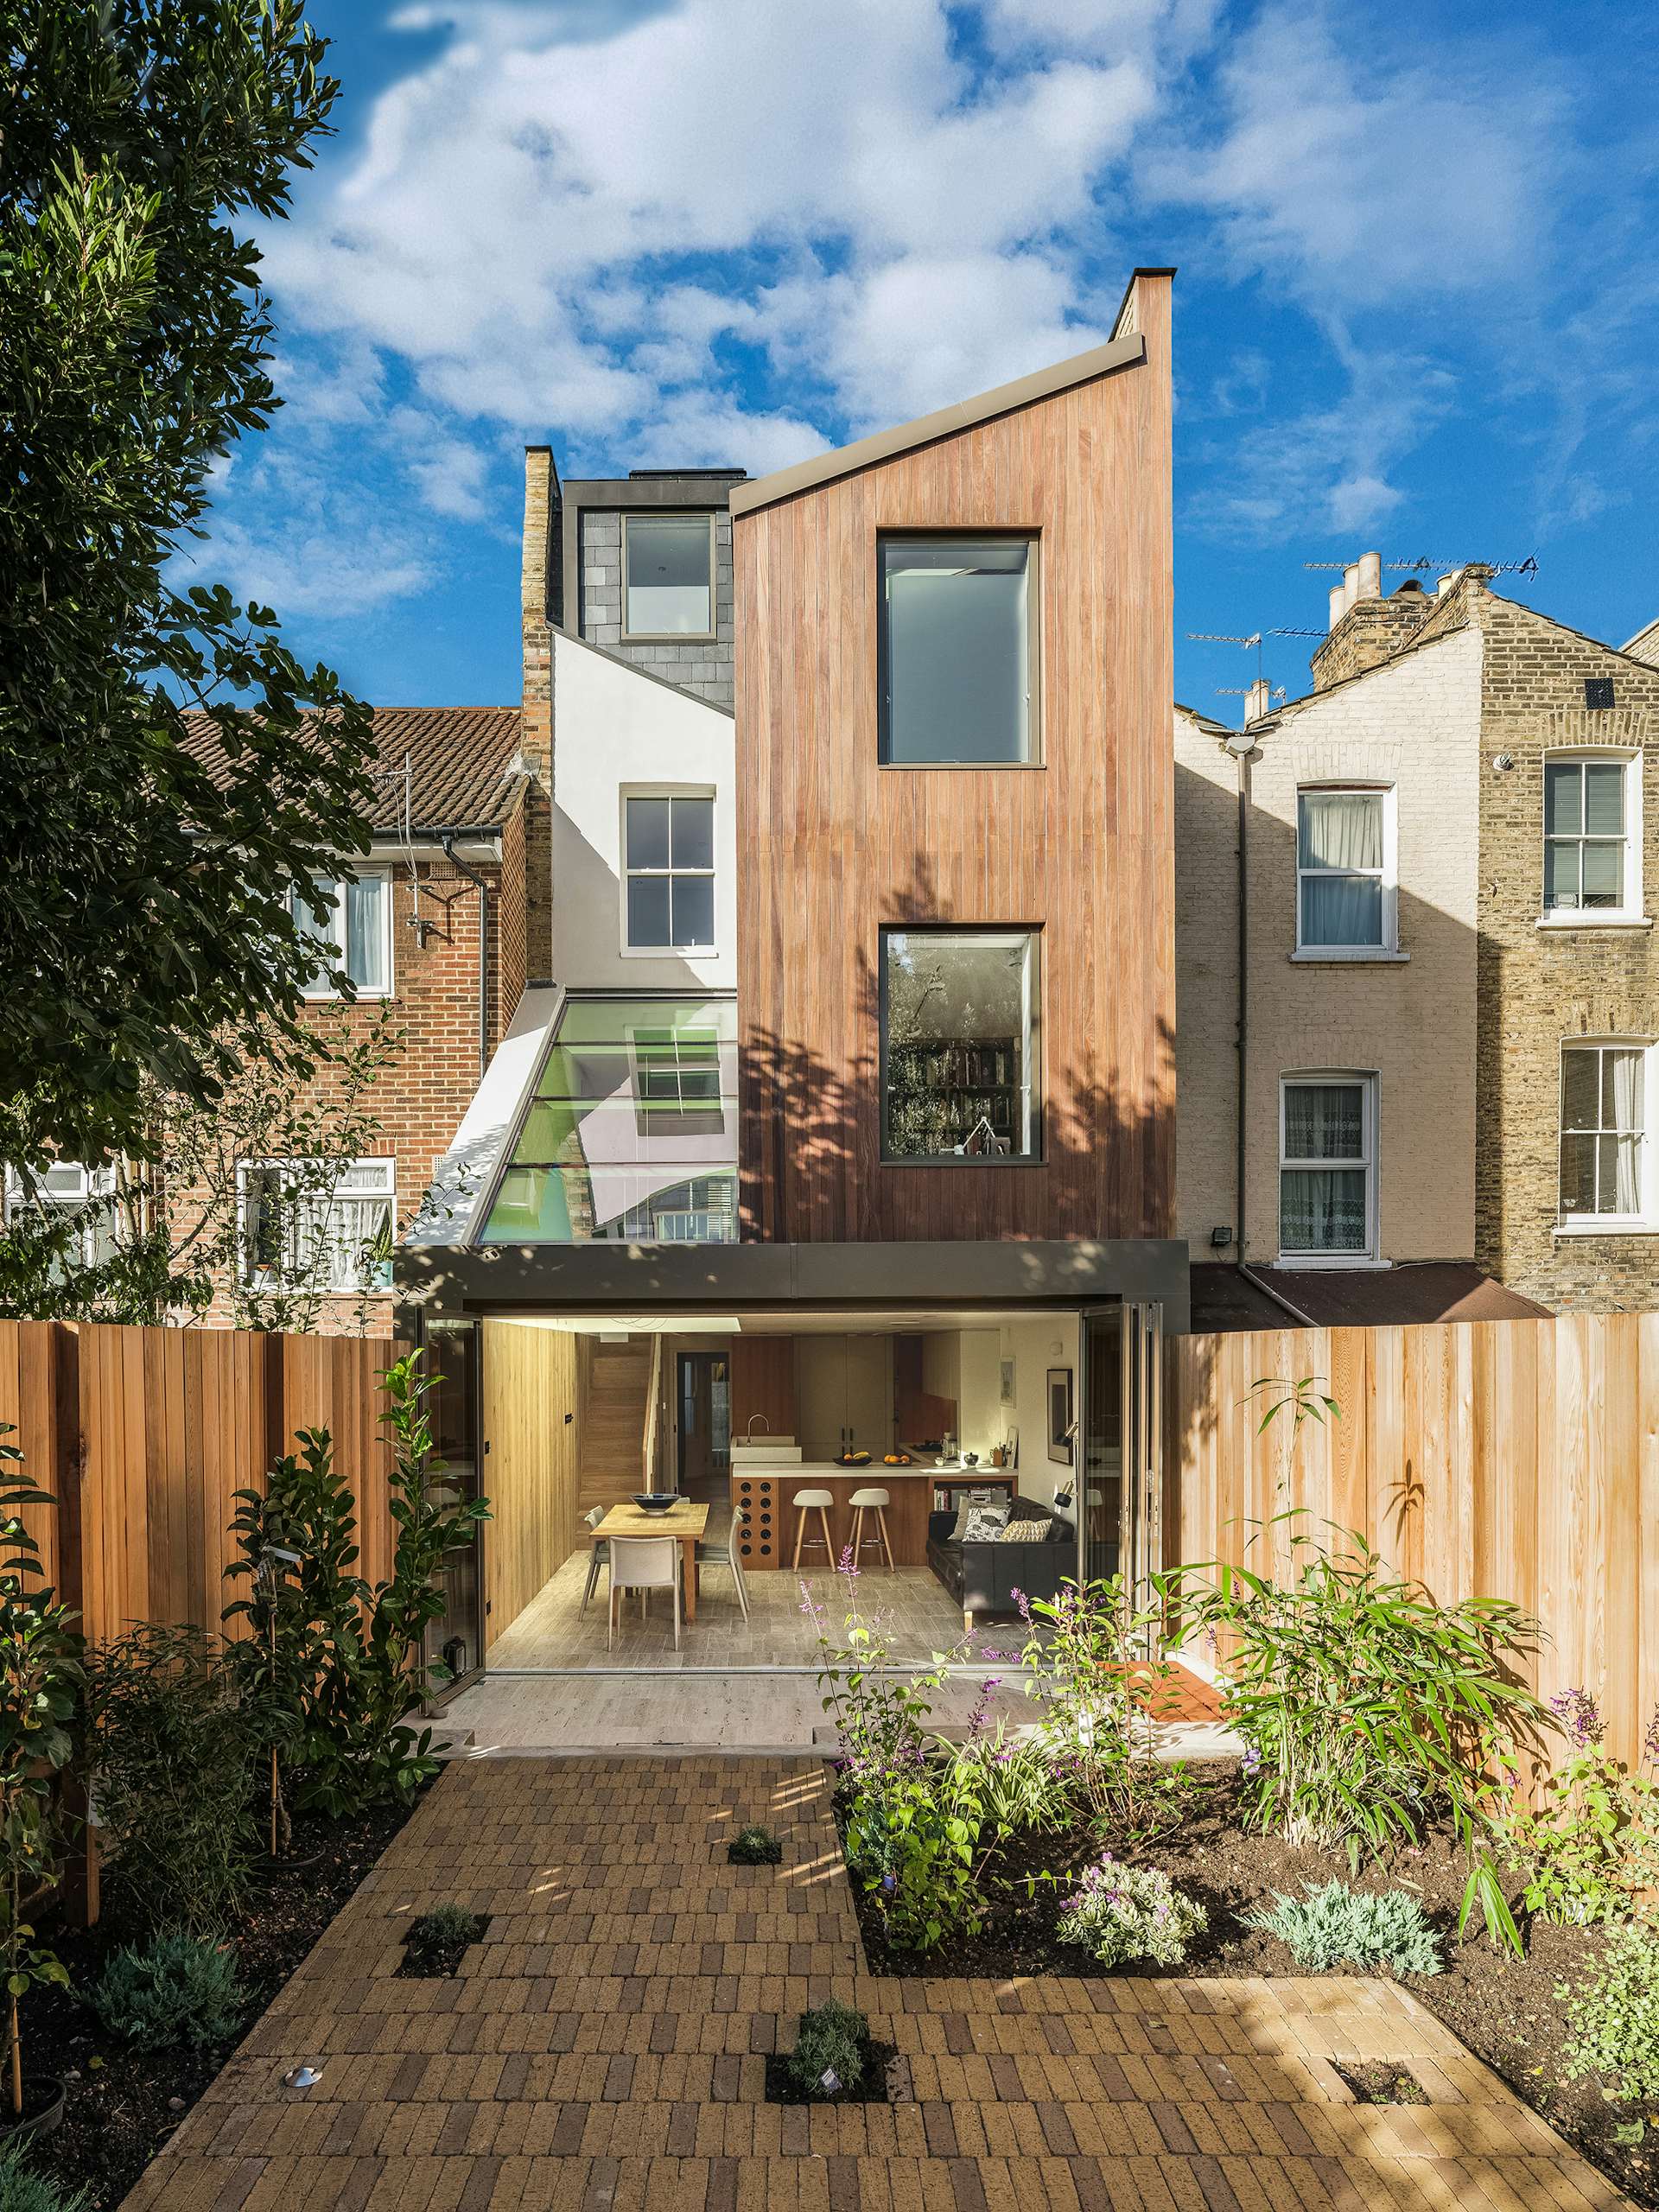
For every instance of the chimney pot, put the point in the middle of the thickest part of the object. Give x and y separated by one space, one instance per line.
1350 585
1336 605
1370 575
1257 700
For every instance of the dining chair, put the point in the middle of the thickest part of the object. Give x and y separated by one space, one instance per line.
722 1551
601 1549
645 1564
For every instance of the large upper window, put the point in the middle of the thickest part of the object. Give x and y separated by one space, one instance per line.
958 659
1327 1167
959 1039
1345 878
667 582
1604 1132
317 1225
671 871
352 937
1591 857
632 1133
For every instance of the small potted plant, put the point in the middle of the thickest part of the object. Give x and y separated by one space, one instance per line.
40 1683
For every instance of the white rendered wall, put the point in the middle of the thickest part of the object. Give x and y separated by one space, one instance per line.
615 729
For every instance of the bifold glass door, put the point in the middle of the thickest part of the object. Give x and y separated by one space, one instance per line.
1119 1460
452 1354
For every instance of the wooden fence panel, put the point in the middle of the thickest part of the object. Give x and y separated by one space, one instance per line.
1514 1459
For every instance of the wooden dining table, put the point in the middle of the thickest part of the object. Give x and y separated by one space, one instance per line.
684 1521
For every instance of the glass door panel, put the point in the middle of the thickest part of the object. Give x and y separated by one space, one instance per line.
452 1352
1100 1445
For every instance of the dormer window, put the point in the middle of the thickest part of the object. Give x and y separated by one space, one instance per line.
668 580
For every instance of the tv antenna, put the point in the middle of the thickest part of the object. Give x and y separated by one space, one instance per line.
1425 563
1214 638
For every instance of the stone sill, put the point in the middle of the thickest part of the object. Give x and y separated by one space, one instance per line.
1333 956
1587 921
1579 1228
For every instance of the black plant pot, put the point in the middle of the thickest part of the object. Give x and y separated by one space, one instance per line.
43 2096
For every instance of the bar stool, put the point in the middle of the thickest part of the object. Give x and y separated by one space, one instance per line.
818 1502
876 1501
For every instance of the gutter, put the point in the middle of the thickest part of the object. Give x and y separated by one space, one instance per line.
446 838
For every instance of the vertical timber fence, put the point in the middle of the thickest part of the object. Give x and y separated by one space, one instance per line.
1514 1459
142 1436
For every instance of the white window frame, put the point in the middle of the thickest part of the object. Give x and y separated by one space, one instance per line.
1366 1078
1644 1221
634 515
323 987
90 1184
1630 914
711 873
1388 948
257 1278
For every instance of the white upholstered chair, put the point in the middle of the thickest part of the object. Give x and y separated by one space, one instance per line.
645 1564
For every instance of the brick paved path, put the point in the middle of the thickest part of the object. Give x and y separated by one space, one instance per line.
605 2046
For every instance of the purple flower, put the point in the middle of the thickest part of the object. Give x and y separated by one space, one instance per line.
1581 1717
889 1882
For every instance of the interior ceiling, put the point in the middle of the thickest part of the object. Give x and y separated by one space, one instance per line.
825 1322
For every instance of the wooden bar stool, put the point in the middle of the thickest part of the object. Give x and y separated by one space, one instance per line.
806 1501
876 1501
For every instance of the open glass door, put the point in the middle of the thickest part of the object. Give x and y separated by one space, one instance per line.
452 1354
1119 1462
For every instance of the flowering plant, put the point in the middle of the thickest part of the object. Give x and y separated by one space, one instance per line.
1119 1913
1589 1848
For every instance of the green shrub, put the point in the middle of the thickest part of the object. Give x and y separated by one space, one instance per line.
754 1846
1016 1782
1589 1848
1365 1706
1613 2016
436 1940
1119 1913
828 2053
176 1766
174 1989
1334 1925
22 2190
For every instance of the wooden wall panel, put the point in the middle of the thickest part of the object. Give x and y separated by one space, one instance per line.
1514 1459
530 1472
835 847
763 1383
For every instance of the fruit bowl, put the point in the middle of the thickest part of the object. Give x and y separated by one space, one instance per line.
656 1501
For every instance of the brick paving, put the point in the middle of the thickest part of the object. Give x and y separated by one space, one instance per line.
604 2047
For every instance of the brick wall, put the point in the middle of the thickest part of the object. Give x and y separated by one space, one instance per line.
702 668
1539 986
1367 635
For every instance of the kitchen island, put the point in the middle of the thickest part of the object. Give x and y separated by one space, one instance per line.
763 1488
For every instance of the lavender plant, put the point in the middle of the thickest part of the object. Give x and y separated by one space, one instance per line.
1122 1913
1588 1846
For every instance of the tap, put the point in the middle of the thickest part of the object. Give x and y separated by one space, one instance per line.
748 1431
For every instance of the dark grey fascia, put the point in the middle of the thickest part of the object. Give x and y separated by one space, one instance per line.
710 493
448 1281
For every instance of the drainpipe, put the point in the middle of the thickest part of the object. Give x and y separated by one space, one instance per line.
446 839
1243 990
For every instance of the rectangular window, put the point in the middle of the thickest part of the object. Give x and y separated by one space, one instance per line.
670 844
1604 1132
668 583
1327 1166
959 1044
1589 866
317 1225
67 1191
958 651
353 935
1344 888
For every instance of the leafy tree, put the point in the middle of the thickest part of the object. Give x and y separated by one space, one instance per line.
158 1237
145 903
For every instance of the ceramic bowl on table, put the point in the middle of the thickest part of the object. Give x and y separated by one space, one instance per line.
656 1501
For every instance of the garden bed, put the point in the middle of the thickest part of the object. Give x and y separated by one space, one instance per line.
123 2104
1508 2011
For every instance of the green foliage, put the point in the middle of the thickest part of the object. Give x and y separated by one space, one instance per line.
914 1817
754 1846
1332 1925
41 1680
1121 1913
1295 1395
1100 1700
830 2047
436 1940
175 1988
341 1656
144 914
1588 1850
174 1753
1613 2016
23 2189
1484 1892
1017 1788
1365 1706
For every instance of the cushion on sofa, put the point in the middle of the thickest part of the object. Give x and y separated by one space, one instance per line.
1031 1530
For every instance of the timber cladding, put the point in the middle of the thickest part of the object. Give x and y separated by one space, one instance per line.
144 1435
835 847
1514 1459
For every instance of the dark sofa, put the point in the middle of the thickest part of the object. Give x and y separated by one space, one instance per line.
982 1578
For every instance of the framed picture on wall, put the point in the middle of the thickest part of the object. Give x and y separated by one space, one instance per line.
1061 1415
1005 1387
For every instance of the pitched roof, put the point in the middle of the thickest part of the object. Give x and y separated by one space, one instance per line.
1366 1298
457 761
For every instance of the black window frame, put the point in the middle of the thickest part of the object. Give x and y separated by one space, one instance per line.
1033 1156
1030 538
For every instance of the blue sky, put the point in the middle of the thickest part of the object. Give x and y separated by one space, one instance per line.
1416 308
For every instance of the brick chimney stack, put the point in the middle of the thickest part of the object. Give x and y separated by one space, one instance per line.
538 597
1366 629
